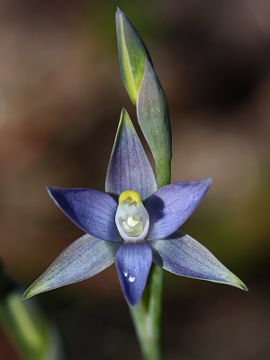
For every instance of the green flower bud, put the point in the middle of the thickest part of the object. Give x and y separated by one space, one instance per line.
132 53
145 91
153 115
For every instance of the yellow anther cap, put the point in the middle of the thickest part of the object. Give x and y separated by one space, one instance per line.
129 196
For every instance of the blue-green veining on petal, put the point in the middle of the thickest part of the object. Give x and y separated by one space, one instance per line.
93 211
172 205
84 258
129 167
183 255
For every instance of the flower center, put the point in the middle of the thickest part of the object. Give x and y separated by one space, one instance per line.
132 226
131 218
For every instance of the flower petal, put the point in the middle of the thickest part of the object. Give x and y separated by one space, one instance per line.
171 205
84 258
129 168
133 262
183 255
93 211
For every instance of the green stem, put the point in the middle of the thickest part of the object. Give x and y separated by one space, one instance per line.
146 315
28 329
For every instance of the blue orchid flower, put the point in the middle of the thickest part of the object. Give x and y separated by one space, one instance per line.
132 224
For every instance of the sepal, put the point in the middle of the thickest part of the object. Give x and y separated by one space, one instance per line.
184 256
84 258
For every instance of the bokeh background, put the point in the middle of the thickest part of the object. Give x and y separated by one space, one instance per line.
60 100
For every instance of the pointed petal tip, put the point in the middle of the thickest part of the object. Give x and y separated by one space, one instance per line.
50 190
119 16
24 296
125 119
231 279
238 283
118 11
30 292
53 193
125 123
209 181
132 302
244 287
123 114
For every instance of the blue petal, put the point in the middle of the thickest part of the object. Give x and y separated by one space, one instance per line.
129 168
81 260
93 211
170 206
133 262
183 255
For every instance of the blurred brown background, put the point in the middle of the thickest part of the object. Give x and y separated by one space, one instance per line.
60 100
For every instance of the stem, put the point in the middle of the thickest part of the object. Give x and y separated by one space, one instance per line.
146 315
30 332
27 336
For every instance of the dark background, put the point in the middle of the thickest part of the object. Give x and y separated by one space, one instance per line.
60 100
